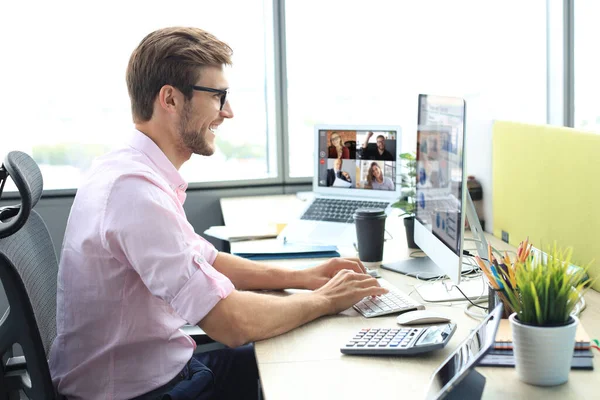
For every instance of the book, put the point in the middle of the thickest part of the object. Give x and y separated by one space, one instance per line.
502 354
504 337
582 359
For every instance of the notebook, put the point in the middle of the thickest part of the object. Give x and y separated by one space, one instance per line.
504 337
354 168
502 355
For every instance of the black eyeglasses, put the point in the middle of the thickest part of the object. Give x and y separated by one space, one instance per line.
223 93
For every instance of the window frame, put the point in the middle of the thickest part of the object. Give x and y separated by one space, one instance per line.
559 97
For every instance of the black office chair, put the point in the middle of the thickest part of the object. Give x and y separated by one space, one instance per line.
28 271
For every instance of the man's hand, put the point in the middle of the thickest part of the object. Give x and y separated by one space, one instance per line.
366 142
321 274
347 288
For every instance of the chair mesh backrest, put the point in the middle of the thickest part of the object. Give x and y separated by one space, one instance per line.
30 172
31 251
26 243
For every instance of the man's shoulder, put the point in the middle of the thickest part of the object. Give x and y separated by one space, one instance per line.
121 163
119 168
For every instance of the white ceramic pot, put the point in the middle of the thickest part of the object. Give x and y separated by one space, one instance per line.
543 355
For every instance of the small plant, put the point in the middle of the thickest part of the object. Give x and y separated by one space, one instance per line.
542 290
407 201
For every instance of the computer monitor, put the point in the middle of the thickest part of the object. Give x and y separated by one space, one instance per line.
442 198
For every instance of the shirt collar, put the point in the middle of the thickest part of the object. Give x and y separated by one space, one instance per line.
142 143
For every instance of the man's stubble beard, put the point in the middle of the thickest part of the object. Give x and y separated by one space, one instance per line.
192 140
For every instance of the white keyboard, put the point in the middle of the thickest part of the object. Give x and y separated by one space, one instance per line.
395 301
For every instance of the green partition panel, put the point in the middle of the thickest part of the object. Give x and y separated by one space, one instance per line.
546 185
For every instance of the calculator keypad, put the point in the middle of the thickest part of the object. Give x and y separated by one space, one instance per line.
384 338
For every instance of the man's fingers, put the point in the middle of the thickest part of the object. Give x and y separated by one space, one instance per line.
361 267
373 291
364 280
367 281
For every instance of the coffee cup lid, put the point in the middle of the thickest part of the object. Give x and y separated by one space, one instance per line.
369 213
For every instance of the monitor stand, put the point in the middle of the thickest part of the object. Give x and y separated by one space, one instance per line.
421 268
441 290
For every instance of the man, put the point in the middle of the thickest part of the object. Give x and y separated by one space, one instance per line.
344 179
133 271
380 153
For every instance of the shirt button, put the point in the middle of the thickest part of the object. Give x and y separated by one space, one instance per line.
199 259
181 186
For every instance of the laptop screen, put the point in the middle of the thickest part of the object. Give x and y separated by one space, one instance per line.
360 159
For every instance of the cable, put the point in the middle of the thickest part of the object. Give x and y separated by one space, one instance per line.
469 300
388 232
476 315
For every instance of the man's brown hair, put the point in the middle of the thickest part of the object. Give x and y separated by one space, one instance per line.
170 56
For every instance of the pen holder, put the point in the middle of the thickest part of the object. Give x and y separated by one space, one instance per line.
496 296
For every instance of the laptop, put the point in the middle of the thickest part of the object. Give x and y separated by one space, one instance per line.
355 167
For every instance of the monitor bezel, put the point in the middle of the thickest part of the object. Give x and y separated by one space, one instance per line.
388 195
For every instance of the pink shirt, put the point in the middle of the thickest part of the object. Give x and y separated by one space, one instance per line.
132 272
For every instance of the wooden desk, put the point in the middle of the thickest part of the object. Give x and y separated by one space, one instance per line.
306 363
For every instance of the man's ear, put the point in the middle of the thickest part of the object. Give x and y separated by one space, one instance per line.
168 99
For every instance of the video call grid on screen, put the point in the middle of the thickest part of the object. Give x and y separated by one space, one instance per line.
343 162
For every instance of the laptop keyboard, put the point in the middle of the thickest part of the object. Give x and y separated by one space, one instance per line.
338 210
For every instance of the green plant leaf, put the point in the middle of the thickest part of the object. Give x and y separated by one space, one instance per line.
547 291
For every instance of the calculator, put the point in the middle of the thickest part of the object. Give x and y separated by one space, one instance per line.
399 341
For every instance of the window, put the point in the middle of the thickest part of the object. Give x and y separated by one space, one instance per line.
587 65
65 98
356 62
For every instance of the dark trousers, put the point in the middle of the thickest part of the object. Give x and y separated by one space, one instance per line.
221 375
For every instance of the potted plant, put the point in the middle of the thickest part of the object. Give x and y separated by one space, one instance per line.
407 202
543 290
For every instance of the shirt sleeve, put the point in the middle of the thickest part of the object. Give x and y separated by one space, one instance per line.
144 226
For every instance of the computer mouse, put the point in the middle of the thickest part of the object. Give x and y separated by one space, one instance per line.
373 273
421 317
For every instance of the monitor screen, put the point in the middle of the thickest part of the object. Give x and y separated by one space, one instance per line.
440 166
466 356
357 159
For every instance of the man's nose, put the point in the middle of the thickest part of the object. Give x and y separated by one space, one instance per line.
227 111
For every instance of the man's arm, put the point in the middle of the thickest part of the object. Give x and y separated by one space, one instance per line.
366 142
251 275
244 317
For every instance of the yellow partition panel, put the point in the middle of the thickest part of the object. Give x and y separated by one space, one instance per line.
546 185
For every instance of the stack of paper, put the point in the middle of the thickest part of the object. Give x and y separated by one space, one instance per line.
237 233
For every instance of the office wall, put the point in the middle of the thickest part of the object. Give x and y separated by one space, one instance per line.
201 206
478 138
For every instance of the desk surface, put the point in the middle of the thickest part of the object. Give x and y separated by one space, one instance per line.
307 363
